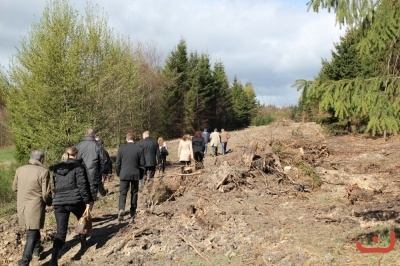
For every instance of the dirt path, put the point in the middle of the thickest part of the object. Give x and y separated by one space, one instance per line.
253 218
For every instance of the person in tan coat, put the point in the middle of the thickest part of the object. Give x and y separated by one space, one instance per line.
33 187
224 140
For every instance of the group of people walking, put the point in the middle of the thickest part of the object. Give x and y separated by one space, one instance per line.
195 147
79 177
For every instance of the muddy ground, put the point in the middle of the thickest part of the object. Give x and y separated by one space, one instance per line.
324 195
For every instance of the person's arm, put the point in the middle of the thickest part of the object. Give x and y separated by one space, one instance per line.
15 182
118 162
47 195
142 164
191 150
179 150
82 183
103 160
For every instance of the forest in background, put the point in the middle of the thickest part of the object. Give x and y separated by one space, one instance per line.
73 72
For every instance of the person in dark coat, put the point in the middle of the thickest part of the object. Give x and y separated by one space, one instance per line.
107 170
206 137
71 195
129 167
33 187
162 154
150 149
92 154
198 146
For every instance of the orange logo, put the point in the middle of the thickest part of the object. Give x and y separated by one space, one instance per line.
378 250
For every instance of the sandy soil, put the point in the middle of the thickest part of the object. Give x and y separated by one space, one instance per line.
259 215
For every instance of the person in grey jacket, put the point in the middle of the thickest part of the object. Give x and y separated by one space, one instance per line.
71 195
129 167
206 137
95 160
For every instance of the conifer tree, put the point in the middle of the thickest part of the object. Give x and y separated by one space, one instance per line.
199 99
244 103
373 94
223 112
176 76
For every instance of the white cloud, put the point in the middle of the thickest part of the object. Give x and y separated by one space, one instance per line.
269 43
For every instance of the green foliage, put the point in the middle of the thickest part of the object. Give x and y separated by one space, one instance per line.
245 105
308 172
7 195
261 120
7 155
200 97
222 107
72 73
176 74
359 85
64 78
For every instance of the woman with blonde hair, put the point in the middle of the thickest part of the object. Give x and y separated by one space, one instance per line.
185 150
71 195
162 154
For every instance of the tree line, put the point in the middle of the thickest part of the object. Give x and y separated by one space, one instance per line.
72 72
359 87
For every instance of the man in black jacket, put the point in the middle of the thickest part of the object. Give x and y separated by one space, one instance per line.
129 167
150 149
92 154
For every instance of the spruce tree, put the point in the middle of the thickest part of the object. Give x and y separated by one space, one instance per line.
371 93
176 77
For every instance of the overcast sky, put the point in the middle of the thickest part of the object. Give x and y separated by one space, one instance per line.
269 43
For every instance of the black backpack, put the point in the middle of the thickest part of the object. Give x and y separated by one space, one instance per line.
164 151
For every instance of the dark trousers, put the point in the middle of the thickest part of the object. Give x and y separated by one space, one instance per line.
32 239
123 192
198 156
161 163
149 171
62 214
214 150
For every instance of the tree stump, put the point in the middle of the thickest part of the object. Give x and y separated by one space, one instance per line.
248 155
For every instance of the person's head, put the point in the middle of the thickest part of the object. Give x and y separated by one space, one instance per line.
215 129
197 134
186 137
100 141
70 152
37 155
130 136
90 132
160 141
205 129
222 130
146 134
97 138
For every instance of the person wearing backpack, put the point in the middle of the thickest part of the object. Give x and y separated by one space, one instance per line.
162 154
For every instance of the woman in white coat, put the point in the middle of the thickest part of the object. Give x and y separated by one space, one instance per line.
185 151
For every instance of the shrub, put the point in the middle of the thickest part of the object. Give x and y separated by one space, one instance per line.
6 180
